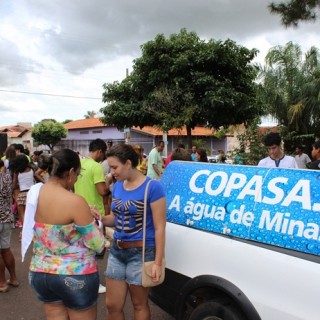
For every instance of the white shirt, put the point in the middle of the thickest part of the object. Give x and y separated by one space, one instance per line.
302 160
28 224
26 180
106 168
285 162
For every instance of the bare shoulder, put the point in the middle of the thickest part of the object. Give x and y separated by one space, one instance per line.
80 211
78 202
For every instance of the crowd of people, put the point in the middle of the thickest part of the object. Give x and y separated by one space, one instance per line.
63 202
64 215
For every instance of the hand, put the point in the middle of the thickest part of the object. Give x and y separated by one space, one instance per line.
95 212
156 272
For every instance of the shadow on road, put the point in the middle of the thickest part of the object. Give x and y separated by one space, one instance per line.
21 303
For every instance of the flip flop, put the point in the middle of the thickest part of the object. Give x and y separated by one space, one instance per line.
13 284
5 289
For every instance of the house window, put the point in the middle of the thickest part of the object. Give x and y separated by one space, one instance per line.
84 132
96 131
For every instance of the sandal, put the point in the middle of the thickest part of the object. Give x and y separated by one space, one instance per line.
5 289
13 284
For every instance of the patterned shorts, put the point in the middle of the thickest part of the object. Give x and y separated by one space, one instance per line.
5 235
22 197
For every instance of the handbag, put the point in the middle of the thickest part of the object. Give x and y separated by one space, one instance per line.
109 236
147 266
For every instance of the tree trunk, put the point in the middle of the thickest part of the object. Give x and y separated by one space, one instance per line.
189 137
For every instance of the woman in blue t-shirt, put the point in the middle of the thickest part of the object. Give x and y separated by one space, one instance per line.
124 267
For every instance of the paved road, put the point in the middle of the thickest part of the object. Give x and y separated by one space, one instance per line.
21 304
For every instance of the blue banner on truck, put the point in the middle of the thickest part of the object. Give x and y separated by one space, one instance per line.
275 206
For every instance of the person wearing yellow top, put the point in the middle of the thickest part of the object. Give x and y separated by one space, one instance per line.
91 183
142 164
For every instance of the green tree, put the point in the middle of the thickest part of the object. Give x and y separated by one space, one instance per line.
48 132
90 114
289 90
282 80
294 11
66 121
182 80
251 149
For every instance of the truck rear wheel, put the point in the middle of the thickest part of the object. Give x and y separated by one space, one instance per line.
214 310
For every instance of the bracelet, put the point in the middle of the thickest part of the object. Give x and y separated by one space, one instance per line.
159 265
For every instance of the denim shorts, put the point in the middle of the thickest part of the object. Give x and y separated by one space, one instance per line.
5 235
126 264
76 292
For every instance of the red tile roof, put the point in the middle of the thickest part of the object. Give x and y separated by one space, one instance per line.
14 131
95 122
264 130
84 123
197 131
14 134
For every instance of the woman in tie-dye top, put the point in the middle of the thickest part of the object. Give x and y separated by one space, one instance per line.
63 269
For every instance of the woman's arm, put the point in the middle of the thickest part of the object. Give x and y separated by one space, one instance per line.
15 182
92 236
38 176
158 209
108 220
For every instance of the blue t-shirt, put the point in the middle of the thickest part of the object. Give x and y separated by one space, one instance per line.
127 206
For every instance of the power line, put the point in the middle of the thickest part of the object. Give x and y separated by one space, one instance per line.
49 94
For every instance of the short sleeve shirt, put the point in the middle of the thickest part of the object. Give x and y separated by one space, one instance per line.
285 162
127 207
154 158
91 174
302 160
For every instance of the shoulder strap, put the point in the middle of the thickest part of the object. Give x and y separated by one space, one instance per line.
145 204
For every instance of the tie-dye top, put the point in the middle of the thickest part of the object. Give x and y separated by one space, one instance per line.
66 249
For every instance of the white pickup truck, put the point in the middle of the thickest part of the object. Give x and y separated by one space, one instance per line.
243 243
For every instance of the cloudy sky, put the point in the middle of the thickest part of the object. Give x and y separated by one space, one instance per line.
55 55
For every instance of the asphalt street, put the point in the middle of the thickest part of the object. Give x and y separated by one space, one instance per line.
21 303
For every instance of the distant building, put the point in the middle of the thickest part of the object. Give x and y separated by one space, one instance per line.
81 132
20 133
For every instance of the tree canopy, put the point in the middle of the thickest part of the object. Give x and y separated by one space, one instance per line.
183 80
48 132
66 121
289 90
295 10
90 114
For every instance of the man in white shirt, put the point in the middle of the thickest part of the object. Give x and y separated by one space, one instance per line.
301 158
276 158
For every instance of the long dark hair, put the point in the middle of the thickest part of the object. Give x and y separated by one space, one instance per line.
124 152
62 161
203 155
10 153
19 163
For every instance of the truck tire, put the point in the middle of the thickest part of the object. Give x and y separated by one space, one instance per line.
216 310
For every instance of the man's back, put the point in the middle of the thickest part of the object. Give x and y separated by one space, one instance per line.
91 174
